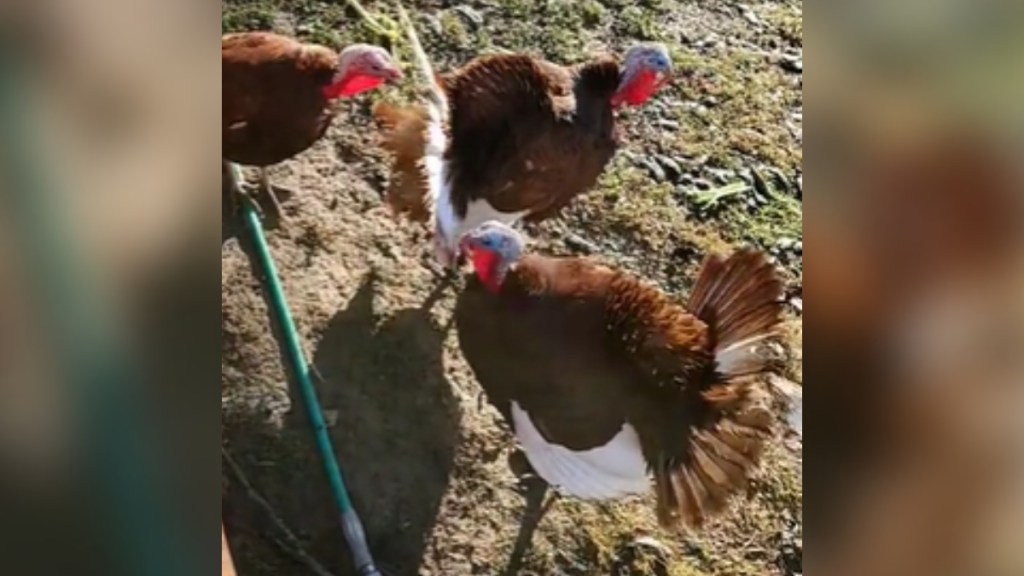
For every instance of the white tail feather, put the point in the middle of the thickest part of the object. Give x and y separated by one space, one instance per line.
742 357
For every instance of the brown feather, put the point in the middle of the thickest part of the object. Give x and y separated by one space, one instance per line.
528 135
272 104
401 134
740 296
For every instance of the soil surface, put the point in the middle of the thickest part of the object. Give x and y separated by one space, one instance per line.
712 163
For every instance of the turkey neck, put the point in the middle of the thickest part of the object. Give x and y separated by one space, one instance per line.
600 77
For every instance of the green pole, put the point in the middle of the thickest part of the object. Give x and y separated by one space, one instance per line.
350 522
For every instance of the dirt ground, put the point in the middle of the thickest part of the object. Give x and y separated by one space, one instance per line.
713 163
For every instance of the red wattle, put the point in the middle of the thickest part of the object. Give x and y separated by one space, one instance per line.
351 85
486 265
638 91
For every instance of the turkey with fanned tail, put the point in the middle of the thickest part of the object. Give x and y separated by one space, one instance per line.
607 382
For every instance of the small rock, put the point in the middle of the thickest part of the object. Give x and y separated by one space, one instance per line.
686 179
702 184
656 171
721 176
798 303
785 244
707 41
471 15
653 544
793 64
781 181
672 169
658 107
667 124
798 248
749 16
579 244
760 184
709 101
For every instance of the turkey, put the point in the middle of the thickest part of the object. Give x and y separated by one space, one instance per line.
606 382
279 96
510 137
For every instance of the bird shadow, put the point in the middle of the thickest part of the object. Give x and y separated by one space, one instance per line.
394 425
397 421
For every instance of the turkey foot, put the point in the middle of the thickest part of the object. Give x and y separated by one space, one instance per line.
240 192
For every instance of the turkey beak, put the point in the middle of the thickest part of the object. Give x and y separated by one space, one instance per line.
663 78
394 75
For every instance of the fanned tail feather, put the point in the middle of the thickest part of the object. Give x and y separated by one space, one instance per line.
740 300
722 455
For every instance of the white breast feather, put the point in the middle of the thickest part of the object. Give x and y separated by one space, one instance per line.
448 224
614 470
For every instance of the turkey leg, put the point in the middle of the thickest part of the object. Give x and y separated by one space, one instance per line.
272 190
535 490
529 482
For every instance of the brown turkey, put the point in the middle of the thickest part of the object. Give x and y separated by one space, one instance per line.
510 137
605 381
279 96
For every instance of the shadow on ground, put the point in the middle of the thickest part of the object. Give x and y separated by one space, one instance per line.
395 434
